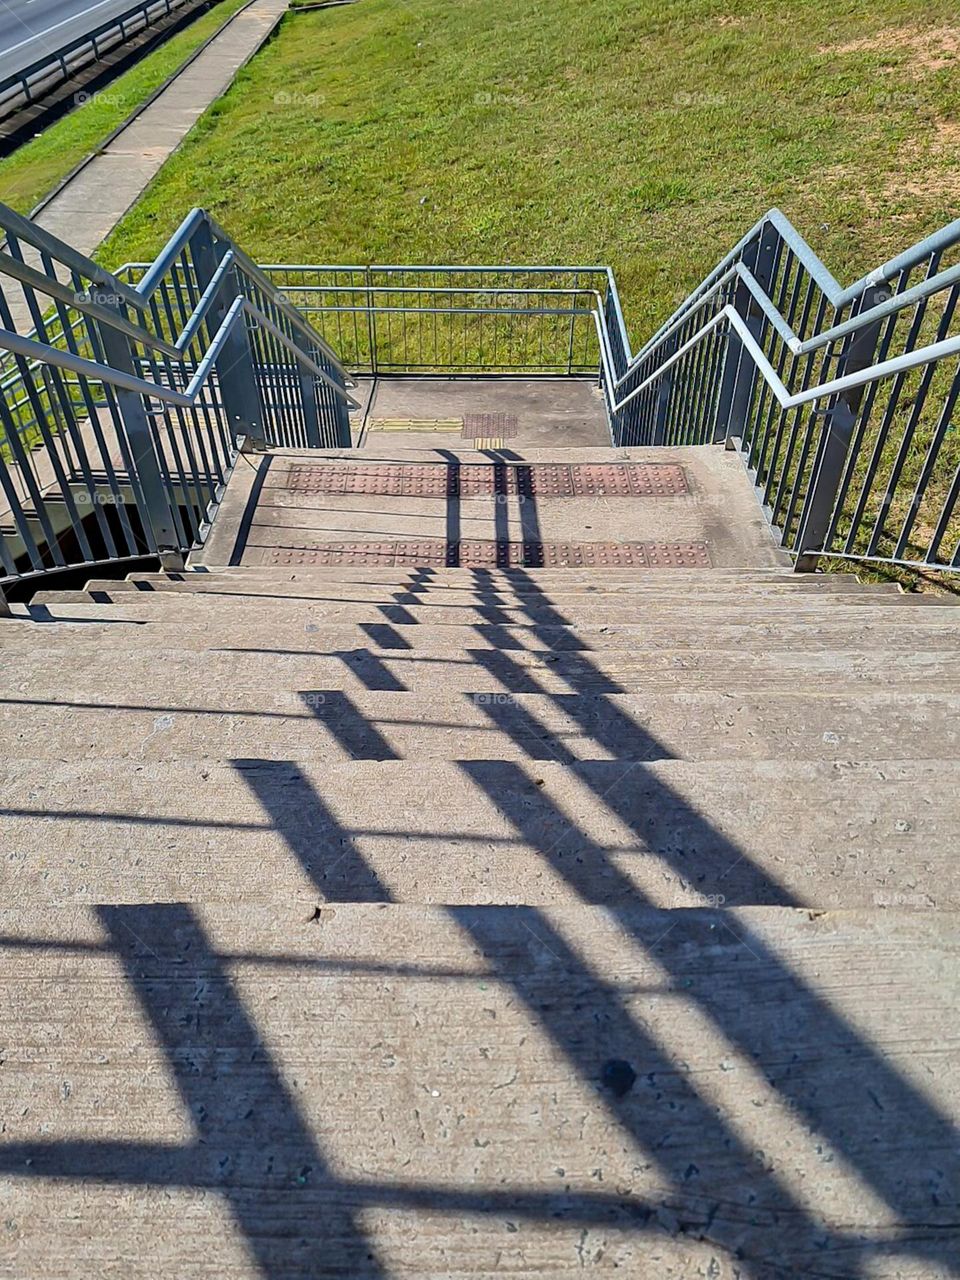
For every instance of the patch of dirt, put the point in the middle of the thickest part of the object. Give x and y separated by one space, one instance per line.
940 149
925 49
926 167
731 20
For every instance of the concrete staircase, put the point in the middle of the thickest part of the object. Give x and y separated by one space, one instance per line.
370 922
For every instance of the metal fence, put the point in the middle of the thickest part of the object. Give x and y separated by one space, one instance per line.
124 408
452 320
37 78
841 402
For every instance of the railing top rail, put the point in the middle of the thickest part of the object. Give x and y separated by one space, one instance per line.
459 268
104 373
45 242
833 291
140 295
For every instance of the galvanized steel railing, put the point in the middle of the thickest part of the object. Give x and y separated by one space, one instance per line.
26 80
452 320
125 406
841 402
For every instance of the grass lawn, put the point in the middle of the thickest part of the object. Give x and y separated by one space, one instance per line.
36 168
645 135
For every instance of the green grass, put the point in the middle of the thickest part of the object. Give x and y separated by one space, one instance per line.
626 132
36 168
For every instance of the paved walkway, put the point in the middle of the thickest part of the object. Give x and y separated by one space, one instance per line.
89 206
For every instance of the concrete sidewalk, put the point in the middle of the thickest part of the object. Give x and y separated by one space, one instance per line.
89 206
87 209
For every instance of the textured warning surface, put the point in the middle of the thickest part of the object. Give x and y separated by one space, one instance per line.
453 426
483 553
489 426
442 480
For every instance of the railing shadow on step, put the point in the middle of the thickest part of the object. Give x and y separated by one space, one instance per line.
844 1102
126 404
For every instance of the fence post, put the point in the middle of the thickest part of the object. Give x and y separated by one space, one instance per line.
371 322
308 395
840 420
157 513
664 388
738 378
235 365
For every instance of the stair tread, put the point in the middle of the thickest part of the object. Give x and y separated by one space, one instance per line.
221 672
383 635
434 1075
328 725
822 834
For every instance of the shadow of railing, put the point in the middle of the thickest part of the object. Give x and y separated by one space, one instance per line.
258 1152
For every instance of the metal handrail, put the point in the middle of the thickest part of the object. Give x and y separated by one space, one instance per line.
786 399
727 364
837 296
102 412
138 296
96 371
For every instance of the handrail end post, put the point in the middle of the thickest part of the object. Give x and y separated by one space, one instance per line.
172 561
738 376
815 519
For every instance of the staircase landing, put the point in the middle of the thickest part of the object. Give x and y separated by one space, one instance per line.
455 506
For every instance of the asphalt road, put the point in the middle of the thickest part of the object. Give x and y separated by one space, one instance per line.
31 29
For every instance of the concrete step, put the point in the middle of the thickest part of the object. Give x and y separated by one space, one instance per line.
462 589
256 613
519 580
364 725
306 629
56 669
518 577
364 594
422 1092
667 833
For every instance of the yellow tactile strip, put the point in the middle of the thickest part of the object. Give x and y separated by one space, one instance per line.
453 426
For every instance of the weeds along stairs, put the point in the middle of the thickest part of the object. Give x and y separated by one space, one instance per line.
480 855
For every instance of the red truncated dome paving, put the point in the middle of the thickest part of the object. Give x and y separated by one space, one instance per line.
483 553
535 480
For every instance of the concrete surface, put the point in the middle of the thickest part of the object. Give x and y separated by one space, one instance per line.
550 412
264 515
382 1091
385 924
508 832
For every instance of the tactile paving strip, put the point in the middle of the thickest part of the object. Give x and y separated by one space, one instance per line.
452 426
489 426
535 480
483 553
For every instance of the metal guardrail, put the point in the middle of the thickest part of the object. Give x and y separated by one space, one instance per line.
390 320
841 401
32 82
124 410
